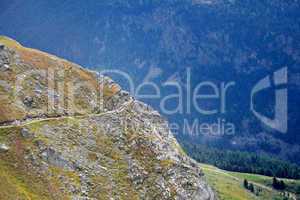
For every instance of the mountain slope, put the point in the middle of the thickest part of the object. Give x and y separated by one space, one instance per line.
157 41
80 147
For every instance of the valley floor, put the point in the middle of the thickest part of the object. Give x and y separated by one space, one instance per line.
229 185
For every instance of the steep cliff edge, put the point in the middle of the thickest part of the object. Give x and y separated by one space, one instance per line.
69 133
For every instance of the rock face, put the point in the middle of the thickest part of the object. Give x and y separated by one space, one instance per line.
112 148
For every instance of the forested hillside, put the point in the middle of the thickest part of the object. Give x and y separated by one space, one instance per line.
243 161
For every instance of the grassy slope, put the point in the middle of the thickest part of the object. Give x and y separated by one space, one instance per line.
20 181
291 185
226 186
229 185
17 179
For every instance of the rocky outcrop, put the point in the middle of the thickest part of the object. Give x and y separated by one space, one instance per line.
112 148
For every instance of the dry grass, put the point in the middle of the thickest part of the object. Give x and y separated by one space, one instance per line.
71 77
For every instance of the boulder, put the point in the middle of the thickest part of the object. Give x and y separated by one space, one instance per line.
3 148
25 133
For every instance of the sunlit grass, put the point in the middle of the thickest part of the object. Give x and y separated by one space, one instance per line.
229 185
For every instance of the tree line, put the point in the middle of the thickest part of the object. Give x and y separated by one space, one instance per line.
244 162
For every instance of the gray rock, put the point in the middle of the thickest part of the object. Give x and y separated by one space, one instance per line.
4 148
56 159
25 133
6 67
28 101
4 58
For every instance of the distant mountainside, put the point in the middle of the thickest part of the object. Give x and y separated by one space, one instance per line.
69 133
220 41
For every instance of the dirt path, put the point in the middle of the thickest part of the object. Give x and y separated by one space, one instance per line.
37 120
